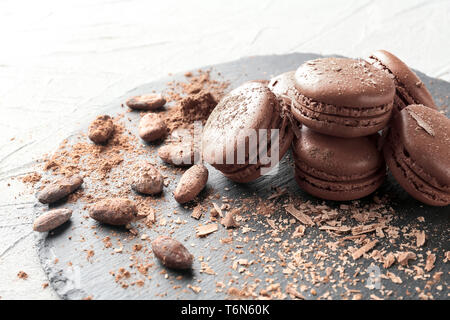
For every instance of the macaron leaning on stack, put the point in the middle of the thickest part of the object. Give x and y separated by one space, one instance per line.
409 89
227 143
417 152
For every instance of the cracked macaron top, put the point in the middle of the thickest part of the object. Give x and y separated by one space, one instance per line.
409 88
424 134
344 82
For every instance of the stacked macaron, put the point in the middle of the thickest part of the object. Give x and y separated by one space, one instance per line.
336 107
340 105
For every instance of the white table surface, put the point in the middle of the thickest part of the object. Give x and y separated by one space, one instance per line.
61 61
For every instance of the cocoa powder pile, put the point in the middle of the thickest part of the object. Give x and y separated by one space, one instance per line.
194 100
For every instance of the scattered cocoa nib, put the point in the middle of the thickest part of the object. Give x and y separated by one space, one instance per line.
152 127
179 154
228 221
172 253
114 211
59 189
367 228
22 275
404 257
101 129
51 220
191 183
147 179
150 101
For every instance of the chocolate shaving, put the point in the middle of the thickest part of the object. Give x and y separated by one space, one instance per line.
429 264
293 292
217 209
197 212
420 238
364 249
366 228
421 123
229 221
394 278
404 257
300 216
389 260
341 229
203 231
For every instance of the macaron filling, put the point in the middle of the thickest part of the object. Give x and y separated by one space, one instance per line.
355 188
333 187
304 107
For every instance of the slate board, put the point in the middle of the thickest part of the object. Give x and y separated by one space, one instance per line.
84 278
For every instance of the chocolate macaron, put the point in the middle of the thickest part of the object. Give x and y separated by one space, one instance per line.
417 152
246 133
409 88
282 84
334 168
342 97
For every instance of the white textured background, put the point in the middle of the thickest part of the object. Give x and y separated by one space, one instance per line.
61 61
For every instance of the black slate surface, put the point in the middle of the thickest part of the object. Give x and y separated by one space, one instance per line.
84 278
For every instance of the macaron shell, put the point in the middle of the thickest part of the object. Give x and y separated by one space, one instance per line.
425 135
334 168
345 159
249 106
282 84
339 191
349 158
412 183
409 86
344 82
253 171
276 123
